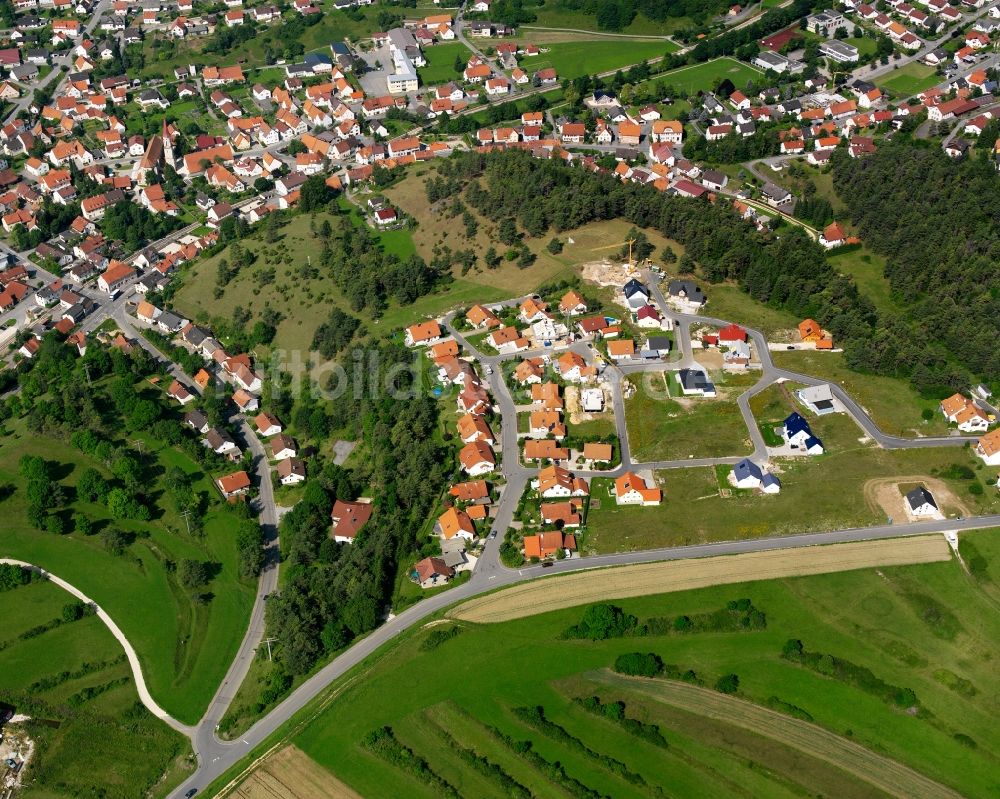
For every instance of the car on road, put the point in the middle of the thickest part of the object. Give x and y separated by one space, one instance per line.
548 564
493 534
489 369
190 793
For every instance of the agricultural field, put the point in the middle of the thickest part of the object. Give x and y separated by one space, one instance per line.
908 80
854 484
102 741
184 645
705 77
441 63
671 427
571 59
799 719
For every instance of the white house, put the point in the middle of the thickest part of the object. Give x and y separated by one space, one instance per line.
921 503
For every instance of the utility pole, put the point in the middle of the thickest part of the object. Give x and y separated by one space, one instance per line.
186 514
630 242
268 642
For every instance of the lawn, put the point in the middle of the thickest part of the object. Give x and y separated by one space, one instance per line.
185 647
441 63
708 75
727 301
910 79
660 428
868 271
574 59
928 628
104 743
826 492
866 44
893 403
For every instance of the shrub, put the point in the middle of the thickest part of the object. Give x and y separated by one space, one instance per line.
639 664
601 622
727 684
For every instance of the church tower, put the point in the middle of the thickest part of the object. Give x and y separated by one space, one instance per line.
168 147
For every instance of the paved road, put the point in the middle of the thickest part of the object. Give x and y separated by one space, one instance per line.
220 756
64 59
268 518
133 659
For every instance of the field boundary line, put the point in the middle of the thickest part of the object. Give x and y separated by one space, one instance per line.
884 773
622 582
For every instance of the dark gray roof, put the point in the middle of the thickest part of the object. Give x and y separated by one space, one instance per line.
918 496
688 288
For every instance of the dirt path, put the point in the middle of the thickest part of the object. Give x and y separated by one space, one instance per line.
884 493
881 772
541 596
291 774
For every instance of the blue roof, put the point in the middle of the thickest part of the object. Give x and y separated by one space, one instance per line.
769 480
794 423
747 468
632 287
317 58
812 441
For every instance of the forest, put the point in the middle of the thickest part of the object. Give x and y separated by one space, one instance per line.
334 592
787 271
941 245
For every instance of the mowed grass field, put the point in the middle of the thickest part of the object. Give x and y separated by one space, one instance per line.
708 75
909 79
825 492
106 744
441 63
868 271
660 428
184 646
571 59
930 628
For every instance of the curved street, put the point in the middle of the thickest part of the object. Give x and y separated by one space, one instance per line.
215 756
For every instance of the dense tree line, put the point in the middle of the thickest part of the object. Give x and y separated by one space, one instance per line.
787 271
771 22
616 15
335 592
136 226
368 275
935 221
734 149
